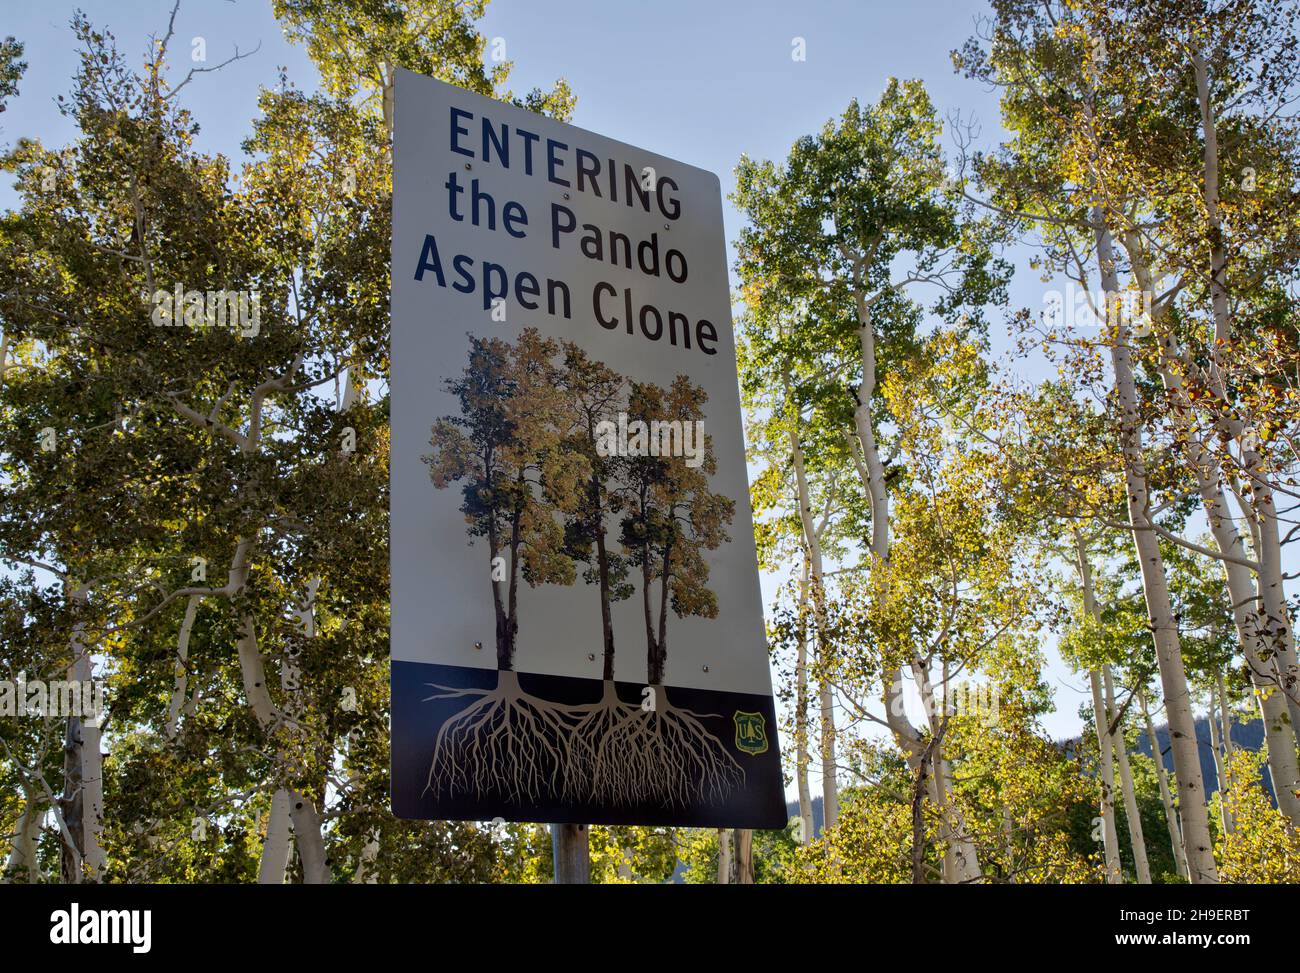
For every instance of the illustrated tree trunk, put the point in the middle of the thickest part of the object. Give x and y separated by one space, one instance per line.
511 633
661 643
656 630
602 569
1136 837
1182 732
1162 778
653 675
501 619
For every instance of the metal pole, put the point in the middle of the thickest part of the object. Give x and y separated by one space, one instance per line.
570 854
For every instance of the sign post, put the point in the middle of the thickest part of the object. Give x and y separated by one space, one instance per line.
570 854
577 629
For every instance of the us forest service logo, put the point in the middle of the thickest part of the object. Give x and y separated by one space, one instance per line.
751 733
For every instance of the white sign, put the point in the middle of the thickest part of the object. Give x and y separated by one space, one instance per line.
577 630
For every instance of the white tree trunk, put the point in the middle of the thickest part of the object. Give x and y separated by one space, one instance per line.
84 733
181 680
1268 671
308 840
253 672
1162 778
1105 752
1212 721
365 873
306 820
724 857
872 472
1136 837
1280 637
387 96
830 787
801 759
1271 581
1178 710
961 859
1110 833
1009 844
22 864
1225 776
275 847
830 784
307 835
1265 673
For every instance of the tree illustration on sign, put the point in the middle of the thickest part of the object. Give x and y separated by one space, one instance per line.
544 496
596 393
659 751
507 446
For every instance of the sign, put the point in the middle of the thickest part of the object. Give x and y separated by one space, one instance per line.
577 629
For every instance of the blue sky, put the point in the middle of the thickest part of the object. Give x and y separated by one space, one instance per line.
700 82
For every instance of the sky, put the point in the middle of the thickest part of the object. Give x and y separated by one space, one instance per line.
700 82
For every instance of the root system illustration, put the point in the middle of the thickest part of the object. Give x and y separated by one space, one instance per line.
519 747
665 756
507 743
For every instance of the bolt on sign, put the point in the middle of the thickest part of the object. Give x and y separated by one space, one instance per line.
577 630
